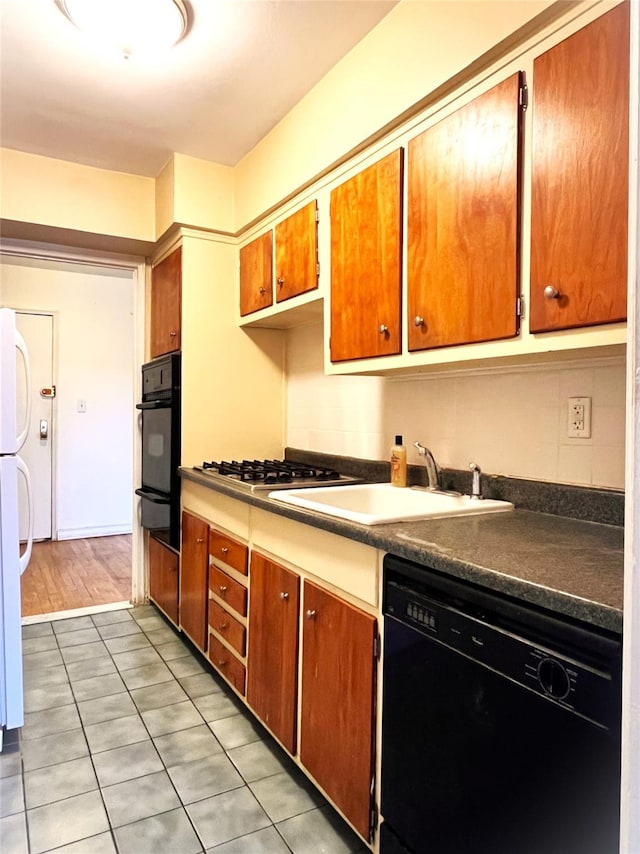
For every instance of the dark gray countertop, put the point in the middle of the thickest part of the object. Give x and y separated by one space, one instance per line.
568 566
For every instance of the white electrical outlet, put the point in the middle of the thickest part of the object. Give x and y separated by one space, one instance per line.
579 418
82 406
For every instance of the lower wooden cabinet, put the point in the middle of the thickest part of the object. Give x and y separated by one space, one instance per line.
272 679
164 578
337 698
194 578
229 666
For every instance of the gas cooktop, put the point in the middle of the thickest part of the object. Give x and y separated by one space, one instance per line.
267 475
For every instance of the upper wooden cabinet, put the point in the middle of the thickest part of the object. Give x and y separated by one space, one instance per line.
463 223
166 304
297 253
194 565
256 274
366 262
579 203
338 687
272 677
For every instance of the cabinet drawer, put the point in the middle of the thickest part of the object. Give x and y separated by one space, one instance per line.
227 627
231 591
229 551
227 664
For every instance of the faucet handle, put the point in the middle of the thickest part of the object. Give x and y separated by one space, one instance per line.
475 480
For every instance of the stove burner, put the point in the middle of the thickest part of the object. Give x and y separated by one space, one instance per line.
269 473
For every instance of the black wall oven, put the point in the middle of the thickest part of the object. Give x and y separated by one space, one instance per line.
500 724
160 482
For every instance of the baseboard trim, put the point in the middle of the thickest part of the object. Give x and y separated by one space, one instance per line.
87 533
75 612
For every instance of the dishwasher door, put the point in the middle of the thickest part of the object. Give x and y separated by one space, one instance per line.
500 727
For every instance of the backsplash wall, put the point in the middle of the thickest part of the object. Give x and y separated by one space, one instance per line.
510 421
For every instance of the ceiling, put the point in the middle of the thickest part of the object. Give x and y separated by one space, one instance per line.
239 70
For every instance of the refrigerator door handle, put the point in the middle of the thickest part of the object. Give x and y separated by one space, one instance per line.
26 557
22 347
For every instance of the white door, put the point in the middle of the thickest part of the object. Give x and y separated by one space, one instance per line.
37 331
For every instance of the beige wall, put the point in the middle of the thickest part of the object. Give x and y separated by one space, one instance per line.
45 191
233 394
509 421
418 46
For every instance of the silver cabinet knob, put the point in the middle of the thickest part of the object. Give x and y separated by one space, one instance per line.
200 540
224 550
172 334
382 329
262 291
551 293
284 596
418 321
280 281
311 614
223 588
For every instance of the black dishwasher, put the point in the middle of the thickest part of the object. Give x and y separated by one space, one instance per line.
500 723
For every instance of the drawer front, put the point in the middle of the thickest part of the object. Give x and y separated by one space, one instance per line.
229 551
231 591
227 627
227 664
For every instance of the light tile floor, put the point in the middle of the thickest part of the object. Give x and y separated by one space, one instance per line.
132 745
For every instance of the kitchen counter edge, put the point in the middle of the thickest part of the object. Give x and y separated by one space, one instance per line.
564 565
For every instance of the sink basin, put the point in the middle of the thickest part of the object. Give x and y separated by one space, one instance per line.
376 503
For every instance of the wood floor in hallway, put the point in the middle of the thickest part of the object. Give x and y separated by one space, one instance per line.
69 574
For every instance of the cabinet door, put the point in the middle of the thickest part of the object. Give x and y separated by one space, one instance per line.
163 578
272 660
166 304
579 178
193 579
338 685
366 262
256 274
463 223
297 253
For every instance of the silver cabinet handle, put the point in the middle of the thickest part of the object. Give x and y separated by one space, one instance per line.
280 281
382 329
224 550
44 428
223 588
200 540
551 293
284 596
172 334
418 321
311 614
262 291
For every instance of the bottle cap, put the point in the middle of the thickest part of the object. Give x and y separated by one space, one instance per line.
398 440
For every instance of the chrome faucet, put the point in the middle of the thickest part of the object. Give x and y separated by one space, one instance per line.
433 471
475 481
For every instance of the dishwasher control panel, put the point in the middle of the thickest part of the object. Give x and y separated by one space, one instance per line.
543 668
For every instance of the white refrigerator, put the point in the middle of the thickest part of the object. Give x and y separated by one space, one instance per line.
14 427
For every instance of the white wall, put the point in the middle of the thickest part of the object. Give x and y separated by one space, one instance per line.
510 421
93 361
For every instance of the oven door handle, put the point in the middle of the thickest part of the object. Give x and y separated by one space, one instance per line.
154 404
155 497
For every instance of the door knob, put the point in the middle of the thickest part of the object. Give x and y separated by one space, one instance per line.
551 293
44 428
418 321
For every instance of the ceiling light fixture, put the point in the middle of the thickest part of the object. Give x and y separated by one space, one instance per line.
129 26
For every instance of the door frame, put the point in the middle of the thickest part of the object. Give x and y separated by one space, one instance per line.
138 267
54 406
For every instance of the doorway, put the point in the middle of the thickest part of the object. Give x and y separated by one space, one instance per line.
84 466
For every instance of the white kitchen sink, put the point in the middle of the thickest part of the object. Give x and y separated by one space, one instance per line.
376 503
